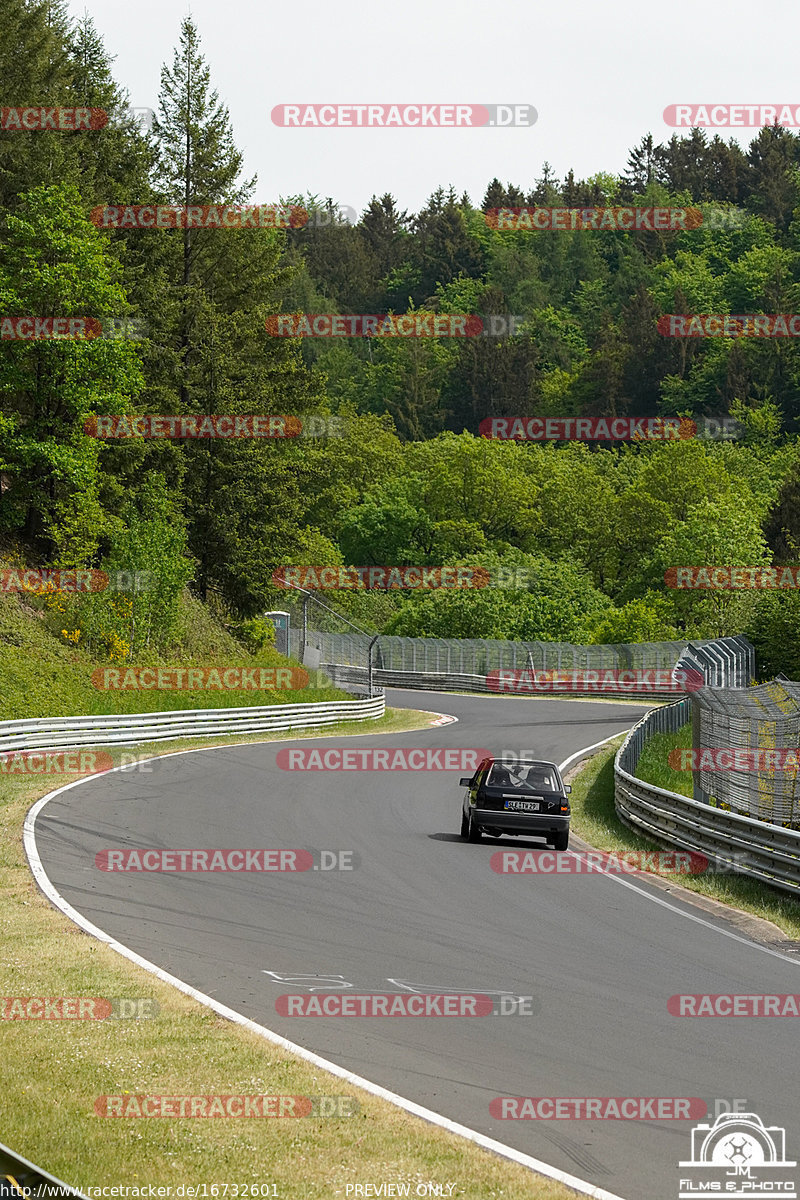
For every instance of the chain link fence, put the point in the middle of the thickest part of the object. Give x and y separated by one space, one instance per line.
358 657
762 718
734 842
723 662
478 656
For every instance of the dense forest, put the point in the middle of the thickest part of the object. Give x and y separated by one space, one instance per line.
586 530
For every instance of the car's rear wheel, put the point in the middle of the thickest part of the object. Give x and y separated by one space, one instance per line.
473 832
464 824
561 840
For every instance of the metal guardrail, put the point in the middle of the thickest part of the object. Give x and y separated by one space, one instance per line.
744 845
55 733
20 1178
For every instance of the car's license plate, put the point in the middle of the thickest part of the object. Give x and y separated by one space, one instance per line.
522 805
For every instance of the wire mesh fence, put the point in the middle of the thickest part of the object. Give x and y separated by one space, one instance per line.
765 719
478 656
723 661
322 637
734 842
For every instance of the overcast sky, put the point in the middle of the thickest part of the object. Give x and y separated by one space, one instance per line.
599 75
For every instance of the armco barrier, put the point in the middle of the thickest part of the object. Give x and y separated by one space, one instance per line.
349 676
748 847
20 1179
56 733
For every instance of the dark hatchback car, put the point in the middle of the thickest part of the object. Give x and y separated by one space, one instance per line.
512 796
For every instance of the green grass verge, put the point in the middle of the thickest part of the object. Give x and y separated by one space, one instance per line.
42 676
52 1071
653 767
594 818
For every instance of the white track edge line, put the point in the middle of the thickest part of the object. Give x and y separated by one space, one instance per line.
649 895
410 1106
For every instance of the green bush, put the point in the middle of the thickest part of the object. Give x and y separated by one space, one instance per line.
256 633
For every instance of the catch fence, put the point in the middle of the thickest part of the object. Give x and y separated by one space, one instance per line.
766 717
352 659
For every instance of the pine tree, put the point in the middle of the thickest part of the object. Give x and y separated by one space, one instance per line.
114 163
211 295
35 70
641 167
773 185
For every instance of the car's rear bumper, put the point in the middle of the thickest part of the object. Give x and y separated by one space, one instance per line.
518 822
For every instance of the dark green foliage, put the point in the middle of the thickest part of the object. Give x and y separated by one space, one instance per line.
410 482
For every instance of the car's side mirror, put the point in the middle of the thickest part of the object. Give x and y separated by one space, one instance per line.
568 788
464 782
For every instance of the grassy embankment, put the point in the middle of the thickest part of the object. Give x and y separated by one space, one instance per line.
594 819
52 1071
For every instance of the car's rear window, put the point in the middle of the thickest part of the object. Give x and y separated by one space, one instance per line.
523 777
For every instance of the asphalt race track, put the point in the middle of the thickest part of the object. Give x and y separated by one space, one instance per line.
424 910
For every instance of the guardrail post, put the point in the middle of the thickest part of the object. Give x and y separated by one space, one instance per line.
369 666
306 599
697 794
